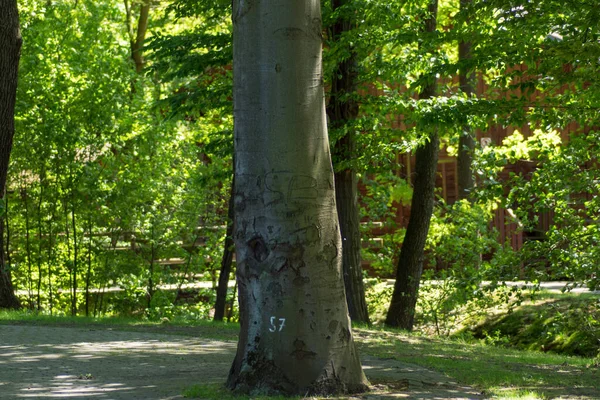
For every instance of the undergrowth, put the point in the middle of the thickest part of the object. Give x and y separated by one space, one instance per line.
565 324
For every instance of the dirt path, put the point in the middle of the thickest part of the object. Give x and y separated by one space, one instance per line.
39 362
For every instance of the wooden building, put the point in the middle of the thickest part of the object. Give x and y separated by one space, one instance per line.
504 220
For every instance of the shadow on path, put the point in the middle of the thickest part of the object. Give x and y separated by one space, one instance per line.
41 362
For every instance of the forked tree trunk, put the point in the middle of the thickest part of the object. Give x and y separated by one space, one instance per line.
343 109
295 331
466 145
410 264
10 51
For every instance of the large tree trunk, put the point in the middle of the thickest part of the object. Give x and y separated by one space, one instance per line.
226 262
342 110
410 264
295 331
10 52
466 145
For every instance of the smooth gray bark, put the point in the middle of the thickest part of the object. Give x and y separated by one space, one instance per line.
10 52
295 334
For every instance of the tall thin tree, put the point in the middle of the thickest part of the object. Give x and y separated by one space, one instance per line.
137 35
226 262
410 264
466 143
342 110
10 52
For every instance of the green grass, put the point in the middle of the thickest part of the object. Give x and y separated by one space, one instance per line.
510 394
208 329
560 323
208 391
497 372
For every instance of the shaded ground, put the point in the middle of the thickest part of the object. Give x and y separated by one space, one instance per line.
40 362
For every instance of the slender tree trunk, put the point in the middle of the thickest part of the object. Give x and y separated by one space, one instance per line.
40 242
99 296
101 300
68 244
466 145
151 289
295 330
8 237
51 263
138 35
88 274
39 264
342 110
410 264
75 256
231 303
52 240
10 52
136 46
346 193
226 262
25 197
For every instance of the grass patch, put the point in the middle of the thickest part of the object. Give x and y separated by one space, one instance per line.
201 328
208 391
497 372
560 323
511 394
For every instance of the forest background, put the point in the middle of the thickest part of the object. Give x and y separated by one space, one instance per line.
121 166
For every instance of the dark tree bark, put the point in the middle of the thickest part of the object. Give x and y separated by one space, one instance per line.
226 262
295 333
466 145
40 236
138 35
10 52
342 109
88 275
410 264
25 199
75 253
7 294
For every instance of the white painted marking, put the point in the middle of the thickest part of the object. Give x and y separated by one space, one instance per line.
274 327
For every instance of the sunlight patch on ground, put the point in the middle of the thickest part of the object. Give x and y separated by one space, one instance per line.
62 387
71 363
